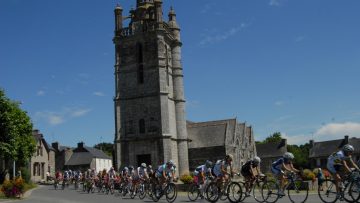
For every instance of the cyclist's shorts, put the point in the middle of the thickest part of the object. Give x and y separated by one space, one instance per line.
275 171
334 168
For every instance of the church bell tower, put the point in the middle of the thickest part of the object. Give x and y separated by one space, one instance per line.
149 101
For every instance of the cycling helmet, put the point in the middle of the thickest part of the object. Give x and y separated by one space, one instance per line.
288 155
348 148
149 166
208 164
229 157
126 168
112 168
171 162
131 167
256 160
143 165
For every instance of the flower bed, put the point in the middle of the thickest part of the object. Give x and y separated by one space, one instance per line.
13 188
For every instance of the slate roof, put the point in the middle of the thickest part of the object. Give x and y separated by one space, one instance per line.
85 156
269 150
210 133
324 149
38 136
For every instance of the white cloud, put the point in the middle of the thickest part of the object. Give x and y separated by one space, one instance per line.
279 103
52 118
339 129
40 93
223 36
207 7
55 120
192 104
274 3
80 112
299 38
100 94
330 131
59 117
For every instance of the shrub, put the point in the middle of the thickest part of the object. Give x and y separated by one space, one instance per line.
186 178
13 188
25 174
308 175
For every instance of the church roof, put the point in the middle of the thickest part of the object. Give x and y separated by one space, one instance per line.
210 133
270 150
324 149
85 156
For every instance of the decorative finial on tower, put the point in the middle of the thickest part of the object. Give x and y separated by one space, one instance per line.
172 18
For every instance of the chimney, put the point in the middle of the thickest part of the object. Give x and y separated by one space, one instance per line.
81 145
311 142
55 145
346 139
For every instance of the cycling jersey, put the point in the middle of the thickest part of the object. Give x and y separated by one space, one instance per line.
140 172
335 161
168 171
247 167
202 169
217 168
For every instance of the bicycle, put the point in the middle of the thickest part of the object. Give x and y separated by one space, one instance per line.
169 190
297 189
194 190
349 189
231 190
255 188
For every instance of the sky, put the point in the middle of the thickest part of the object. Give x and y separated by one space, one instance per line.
286 66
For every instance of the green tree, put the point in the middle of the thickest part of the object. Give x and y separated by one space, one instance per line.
274 138
301 154
16 140
108 148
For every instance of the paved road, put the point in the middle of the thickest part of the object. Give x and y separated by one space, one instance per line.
46 194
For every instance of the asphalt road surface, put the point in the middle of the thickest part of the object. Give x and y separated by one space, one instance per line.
47 194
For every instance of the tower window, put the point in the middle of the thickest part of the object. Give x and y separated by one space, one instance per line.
142 126
139 52
141 74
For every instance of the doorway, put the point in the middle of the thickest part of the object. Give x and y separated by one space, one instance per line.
144 158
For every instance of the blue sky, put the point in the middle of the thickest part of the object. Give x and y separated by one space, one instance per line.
278 65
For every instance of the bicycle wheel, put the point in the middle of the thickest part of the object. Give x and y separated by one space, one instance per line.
298 191
142 192
270 191
234 192
327 191
157 193
213 192
256 191
170 192
193 192
243 187
354 190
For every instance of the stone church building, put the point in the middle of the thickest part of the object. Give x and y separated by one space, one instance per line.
149 102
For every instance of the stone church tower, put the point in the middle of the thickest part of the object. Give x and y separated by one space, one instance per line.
150 123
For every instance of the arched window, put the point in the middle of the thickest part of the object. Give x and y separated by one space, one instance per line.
142 126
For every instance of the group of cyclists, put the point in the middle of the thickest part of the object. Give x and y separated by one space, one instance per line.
221 172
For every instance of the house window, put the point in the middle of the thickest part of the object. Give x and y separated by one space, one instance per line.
139 51
34 169
167 66
130 127
142 126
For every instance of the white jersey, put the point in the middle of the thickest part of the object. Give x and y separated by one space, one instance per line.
202 169
217 167
167 170
140 172
337 158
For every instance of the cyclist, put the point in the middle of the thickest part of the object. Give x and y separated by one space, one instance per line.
339 162
165 171
281 167
250 170
220 170
200 173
